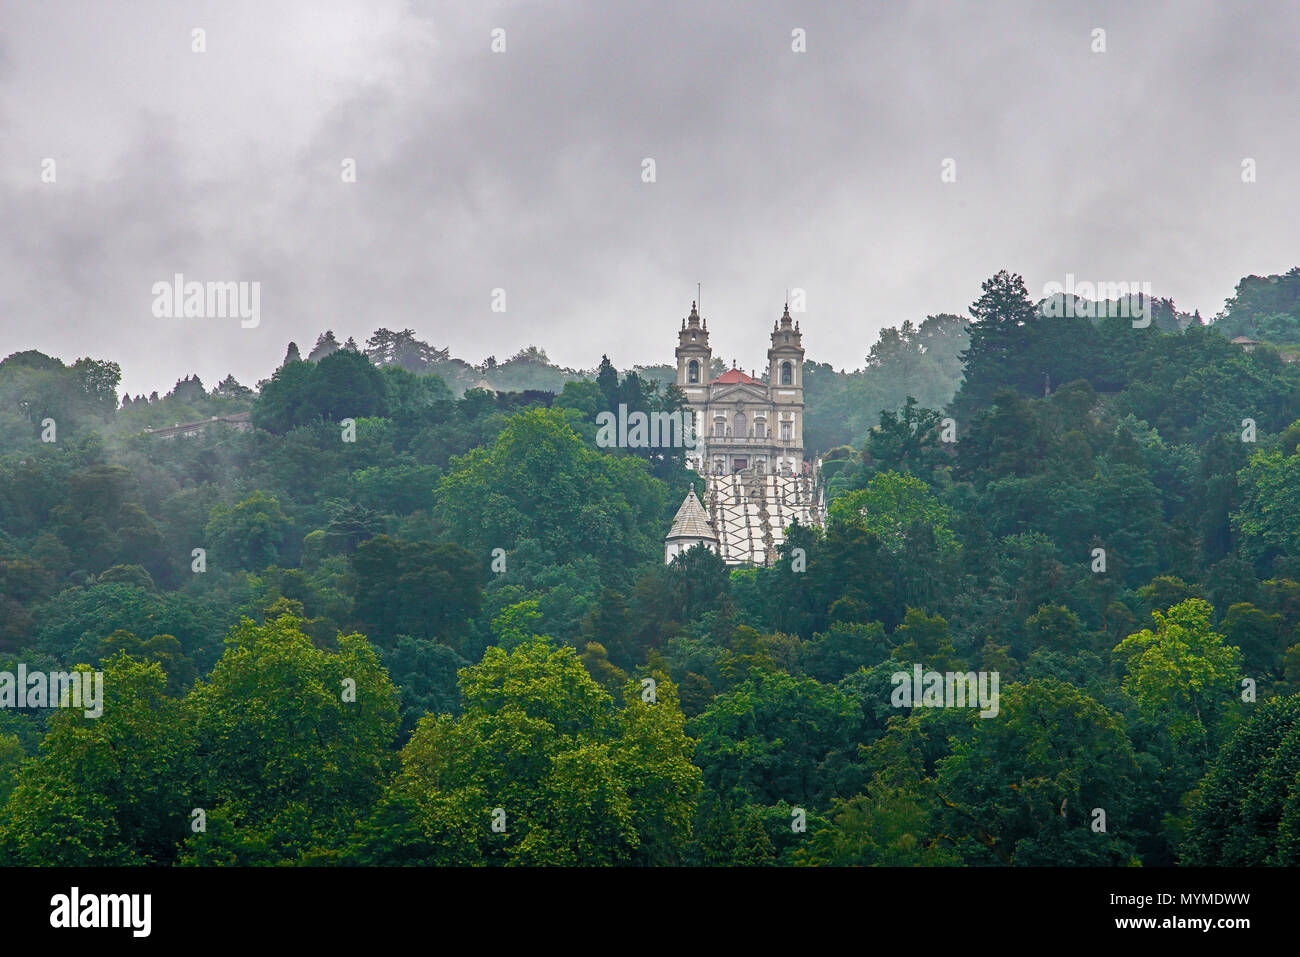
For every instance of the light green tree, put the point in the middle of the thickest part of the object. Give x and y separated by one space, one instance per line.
889 506
1182 673
1268 521
293 745
109 790
541 767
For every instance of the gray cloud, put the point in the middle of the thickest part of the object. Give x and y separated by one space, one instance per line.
522 170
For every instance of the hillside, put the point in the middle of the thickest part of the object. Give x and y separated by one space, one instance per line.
1100 523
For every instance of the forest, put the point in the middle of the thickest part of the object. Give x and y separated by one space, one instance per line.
405 619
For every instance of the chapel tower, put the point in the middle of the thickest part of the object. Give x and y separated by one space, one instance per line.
694 356
785 383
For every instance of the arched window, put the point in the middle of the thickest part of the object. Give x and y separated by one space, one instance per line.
787 374
740 425
693 372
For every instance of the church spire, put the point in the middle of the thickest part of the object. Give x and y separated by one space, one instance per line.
693 321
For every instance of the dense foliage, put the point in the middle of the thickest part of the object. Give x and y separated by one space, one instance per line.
407 620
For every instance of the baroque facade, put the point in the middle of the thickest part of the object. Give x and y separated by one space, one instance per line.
743 423
749 449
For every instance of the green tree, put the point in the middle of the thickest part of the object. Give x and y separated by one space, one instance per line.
425 673
1181 673
293 745
1021 788
887 826
541 750
779 737
164 649
388 348
425 590
248 535
889 506
1262 637
286 401
538 481
1268 521
907 441
345 385
999 317
98 380
110 790
1247 810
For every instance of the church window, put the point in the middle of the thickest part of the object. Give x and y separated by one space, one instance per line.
693 372
740 425
787 374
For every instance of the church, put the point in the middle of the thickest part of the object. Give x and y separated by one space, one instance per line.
749 449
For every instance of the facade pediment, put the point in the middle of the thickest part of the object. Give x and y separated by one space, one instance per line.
738 393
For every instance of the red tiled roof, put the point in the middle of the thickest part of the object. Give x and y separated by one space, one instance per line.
732 376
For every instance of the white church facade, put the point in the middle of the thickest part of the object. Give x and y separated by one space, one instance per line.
742 422
749 449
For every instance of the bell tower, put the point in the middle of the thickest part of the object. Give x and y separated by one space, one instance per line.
693 356
785 384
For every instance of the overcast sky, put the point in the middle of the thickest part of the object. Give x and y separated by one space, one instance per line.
523 170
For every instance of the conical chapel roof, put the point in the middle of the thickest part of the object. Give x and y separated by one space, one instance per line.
692 521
